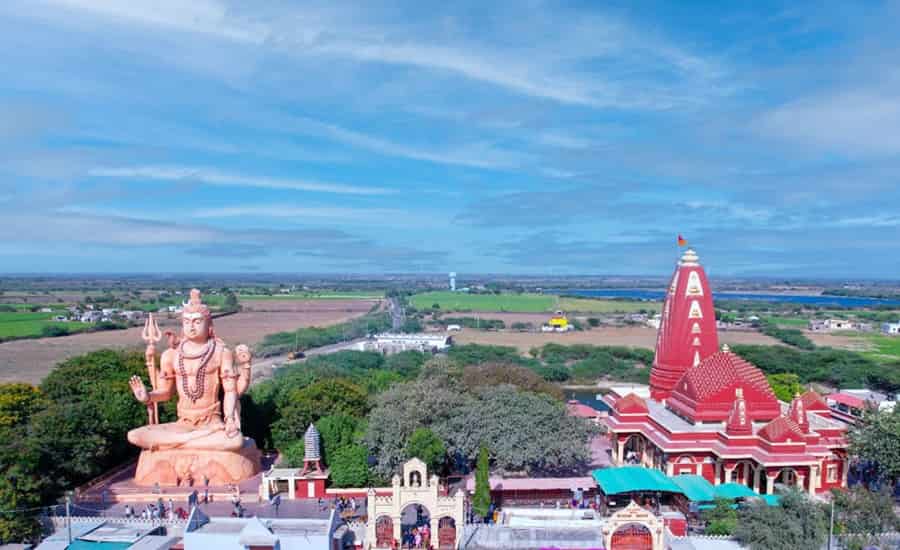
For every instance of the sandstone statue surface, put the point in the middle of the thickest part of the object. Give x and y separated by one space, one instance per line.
205 442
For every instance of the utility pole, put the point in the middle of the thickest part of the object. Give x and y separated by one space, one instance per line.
69 516
831 524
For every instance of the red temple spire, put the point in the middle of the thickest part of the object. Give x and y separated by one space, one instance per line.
687 330
738 421
797 413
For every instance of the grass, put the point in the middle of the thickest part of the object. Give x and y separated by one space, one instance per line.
342 295
793 322
31 325
462 301
886 347
525 303
588 305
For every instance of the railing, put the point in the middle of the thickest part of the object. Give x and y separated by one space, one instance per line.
61 521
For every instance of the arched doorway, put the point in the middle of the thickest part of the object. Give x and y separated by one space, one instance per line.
447 532
787 477
384 532
415 526
634 449
632 536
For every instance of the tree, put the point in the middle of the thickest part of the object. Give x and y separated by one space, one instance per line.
481 500
877 438
863 512
20 490
545 439
797 524
309 404
722 519
493 374
427 447
231 301
337 431
785 385
349 466
17 403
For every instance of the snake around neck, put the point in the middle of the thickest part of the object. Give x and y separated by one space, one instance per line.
205 355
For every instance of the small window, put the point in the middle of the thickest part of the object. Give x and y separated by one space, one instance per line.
832 473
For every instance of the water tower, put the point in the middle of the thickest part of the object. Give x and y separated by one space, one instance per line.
453 281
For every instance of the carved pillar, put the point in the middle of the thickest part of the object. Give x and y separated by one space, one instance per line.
845 466
770 483
756 472
292 487
801 479
718 479
728 472
698 467
620 455
670 469
815 475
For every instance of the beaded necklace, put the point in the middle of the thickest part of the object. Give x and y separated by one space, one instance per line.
200 379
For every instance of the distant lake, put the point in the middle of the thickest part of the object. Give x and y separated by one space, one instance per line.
658 295
586 397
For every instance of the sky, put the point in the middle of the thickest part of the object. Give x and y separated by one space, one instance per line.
425 137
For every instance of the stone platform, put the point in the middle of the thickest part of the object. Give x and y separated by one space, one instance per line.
191 467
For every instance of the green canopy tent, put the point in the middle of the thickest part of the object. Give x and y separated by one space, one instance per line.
633 479
734 491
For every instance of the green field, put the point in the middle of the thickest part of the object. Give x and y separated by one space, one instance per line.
524 303
885 347
31 325
462 301
588 305
789 322
337 295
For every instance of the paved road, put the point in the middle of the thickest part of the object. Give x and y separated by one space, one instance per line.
264 369
398 315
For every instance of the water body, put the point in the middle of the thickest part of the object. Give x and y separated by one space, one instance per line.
586 397
658 295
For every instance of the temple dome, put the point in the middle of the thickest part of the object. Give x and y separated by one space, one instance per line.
687 330
311 444
782 430
631 404
705 393
813 402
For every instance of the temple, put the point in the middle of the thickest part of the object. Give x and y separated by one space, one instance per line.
711 413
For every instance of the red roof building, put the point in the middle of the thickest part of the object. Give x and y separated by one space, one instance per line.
712 413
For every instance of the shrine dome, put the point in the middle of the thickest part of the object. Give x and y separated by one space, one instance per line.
687 329
781 430
706 392
631 404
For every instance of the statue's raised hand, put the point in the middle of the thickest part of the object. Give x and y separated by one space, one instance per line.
242 354
138 389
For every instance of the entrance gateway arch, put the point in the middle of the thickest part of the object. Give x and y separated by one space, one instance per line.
633 528
414 488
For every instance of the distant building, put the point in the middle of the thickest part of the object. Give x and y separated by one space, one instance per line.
557 323
453 328
832 325
91 317
395 343
892 329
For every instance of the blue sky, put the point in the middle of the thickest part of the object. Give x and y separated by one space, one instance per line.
519 137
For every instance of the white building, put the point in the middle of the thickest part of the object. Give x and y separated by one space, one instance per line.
395 343
203 533
892 329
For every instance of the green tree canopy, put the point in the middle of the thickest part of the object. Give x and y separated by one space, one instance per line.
349 466
427 447
17 403
785 385
877 438
863 512
309 404
481 500
722 519
797 524
527 431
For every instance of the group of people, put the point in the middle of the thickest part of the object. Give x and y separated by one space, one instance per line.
418 537
157 510
341 504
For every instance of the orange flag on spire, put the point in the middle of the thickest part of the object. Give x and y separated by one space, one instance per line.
681 240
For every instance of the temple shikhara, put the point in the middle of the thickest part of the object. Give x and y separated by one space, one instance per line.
711 413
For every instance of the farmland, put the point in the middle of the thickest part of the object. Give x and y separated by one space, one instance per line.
26 324
31 360
636 336
883 348
524 303
316 295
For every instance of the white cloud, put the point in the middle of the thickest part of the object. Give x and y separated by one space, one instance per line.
214 177
298 212
551 67
858 122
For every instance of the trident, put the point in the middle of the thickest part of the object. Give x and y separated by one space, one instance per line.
151 336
